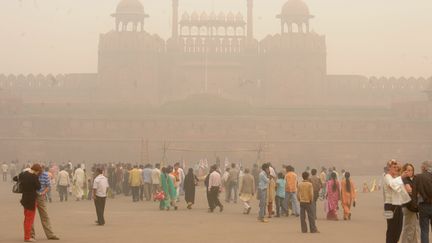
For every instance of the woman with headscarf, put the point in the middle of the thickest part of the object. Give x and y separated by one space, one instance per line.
30 184
333 192
348 195
189 187
169 190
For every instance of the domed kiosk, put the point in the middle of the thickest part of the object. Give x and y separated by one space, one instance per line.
295 17
129 16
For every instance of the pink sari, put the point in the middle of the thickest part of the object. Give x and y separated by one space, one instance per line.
332 200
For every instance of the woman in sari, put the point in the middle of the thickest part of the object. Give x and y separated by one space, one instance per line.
169 190
348 195
333 192
189 186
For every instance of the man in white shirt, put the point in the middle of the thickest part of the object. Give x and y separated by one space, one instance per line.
155 175
100 189
5 169
181 175
215 183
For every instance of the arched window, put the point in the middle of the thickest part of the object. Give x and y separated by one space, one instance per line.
203 31
129 26
295 28
240 31
185 30
221 31
230 31
194 30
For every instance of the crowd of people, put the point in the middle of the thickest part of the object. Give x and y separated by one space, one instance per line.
280 193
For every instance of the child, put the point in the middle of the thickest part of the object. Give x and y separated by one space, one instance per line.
280 195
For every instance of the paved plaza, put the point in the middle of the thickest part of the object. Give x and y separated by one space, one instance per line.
143 222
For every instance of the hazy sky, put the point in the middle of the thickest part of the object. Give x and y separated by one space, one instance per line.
370 37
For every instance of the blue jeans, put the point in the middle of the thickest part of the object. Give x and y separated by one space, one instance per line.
291 197
232 186
280 206
262 203
425 211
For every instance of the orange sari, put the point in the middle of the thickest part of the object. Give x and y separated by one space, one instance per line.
348 197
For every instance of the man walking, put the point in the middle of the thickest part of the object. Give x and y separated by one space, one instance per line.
5 169
316 183
291 190
155 178
306 196
147 179
423 189
63 182
100 189
214 186
45 183
264 179
233 179
135 181
247 190
78 183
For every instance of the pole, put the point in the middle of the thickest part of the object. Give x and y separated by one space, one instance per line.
165 149
259 154
147 152
141 150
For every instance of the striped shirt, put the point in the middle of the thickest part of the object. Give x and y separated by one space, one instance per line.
44 180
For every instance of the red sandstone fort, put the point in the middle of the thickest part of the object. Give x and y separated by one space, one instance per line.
213 89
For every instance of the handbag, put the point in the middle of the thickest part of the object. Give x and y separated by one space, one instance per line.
17 187
159 196
388 214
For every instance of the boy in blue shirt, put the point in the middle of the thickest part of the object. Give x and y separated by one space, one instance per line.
280 195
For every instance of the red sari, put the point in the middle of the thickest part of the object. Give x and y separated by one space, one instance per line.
333 197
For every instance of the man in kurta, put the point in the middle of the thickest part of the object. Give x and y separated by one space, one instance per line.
78 183
247 190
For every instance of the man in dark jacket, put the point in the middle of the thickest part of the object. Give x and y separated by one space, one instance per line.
423 190
30 185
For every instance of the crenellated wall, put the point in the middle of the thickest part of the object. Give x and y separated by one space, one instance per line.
293 42
379 84
356 90
47 82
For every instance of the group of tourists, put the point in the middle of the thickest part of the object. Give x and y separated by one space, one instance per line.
284 194
407 202
280 193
